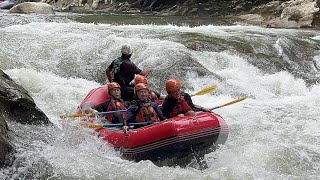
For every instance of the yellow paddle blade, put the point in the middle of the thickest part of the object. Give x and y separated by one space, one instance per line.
205 90
74 115
229 103
234 101
95 126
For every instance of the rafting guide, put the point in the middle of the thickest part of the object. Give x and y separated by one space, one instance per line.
122 71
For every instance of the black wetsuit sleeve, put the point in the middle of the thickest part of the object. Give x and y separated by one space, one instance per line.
188 99
102 107
167 107
131 114
133 68
157 94
158 111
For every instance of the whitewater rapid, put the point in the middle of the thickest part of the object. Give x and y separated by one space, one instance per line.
274 133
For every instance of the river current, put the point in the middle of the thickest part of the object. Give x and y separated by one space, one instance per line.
274 133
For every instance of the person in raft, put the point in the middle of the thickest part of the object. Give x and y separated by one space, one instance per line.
178 103
122 71
154 96
114 103
142 108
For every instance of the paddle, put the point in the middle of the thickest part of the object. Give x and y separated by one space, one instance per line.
205 90
229 103
90 114
116 125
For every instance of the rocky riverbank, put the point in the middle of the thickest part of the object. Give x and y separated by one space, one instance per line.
269 13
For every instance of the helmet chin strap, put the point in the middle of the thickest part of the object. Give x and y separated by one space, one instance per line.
114 97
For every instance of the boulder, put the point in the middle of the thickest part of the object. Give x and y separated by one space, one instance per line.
296 14
17 105
32 7
6 148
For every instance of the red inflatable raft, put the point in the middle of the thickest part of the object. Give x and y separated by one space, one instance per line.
174 138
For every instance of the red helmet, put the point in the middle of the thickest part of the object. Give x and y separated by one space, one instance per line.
113 85
140 79
173 85
140 86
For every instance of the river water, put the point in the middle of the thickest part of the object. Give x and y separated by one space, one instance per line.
274 133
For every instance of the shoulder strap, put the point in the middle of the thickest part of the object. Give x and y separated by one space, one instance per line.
116 67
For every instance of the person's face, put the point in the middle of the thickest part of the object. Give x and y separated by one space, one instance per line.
143 94
116 93
175 94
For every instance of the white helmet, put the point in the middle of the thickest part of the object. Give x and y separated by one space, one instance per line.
126 50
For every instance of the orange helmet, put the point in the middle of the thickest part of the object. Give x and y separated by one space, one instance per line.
113 85
140 86
173 85
140 79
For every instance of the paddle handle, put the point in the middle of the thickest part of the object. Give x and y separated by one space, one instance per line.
111 112
118 124
90 114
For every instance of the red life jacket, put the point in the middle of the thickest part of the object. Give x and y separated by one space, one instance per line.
113 105
181 107
147 113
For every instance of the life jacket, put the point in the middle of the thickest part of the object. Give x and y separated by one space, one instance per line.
147 113
113 105
181 107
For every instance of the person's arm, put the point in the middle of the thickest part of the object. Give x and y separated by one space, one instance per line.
126 120
96 109
130 114
187 110
158 111
194 107
167 107
146 72
199 108
108 75
160 96
91 111
188 99
108 71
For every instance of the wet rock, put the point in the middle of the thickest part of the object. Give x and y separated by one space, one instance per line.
17 105
32 7
6 148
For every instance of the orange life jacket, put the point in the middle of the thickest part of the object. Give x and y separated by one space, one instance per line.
147 113
181 107
113 105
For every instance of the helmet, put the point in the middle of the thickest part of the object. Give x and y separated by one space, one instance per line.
140 79
113 85
173 85
140 86
126 50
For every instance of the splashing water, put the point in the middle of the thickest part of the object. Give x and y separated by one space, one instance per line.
274 134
